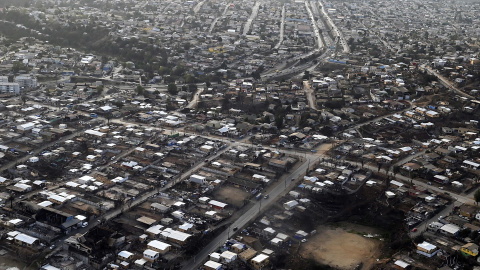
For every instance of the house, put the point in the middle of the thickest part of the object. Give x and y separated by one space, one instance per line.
260 261
151 255
217 205
175 236
228 256
202 180
25 240
159 246
411 166
211 265
399 264
467 211
125 255
427 249
290 205
159 207
450 229
470 249
154 231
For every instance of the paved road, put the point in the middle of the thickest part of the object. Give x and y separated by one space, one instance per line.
335 30
216 19
422 227
448 83
196 97
282 27
460 198
197 8
310 95
320 44
252 17
279 189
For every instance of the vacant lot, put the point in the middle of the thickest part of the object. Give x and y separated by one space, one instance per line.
342 247
231 195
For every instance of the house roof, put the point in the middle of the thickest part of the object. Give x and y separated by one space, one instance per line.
25 238
260 258
213 265
158 245
150 253
125 254
427 246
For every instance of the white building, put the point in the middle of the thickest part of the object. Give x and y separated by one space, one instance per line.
9 88
26 81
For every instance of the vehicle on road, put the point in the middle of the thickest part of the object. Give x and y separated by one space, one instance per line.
266 196
235 229
414 229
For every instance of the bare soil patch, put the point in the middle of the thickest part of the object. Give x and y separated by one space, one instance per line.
343 247
231 195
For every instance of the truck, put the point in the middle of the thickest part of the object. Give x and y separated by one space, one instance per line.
259 196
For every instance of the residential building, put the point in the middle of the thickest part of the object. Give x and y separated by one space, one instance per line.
26 81
9 88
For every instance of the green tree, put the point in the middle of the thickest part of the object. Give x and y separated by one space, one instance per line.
24 99
172 89
99 89
140 90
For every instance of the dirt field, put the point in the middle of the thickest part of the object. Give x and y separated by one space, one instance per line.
343 247
231 195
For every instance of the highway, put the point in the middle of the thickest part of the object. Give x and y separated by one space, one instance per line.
318 39
334 28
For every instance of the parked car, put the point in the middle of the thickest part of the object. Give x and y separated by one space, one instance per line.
414 229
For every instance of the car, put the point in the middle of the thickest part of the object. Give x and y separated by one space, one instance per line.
293 179
52 246
304 240
429 183
84 224
266 196
235 229
440 188
414 229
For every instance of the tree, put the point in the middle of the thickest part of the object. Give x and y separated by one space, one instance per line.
140 90
24 99
477 196
99 89
172 89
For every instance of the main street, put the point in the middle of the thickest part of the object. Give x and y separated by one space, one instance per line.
447 83
279 189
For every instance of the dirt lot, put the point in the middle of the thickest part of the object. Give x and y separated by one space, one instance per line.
342 246
231 195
